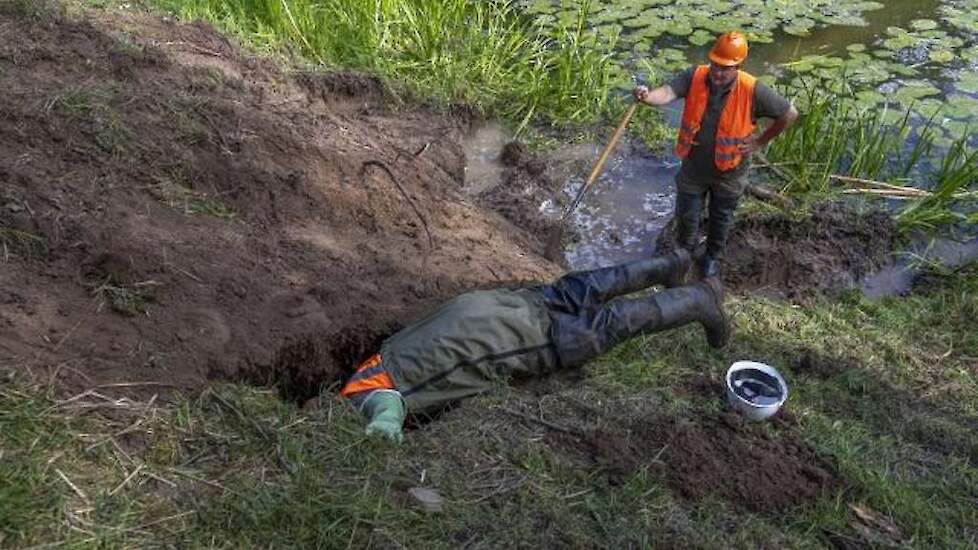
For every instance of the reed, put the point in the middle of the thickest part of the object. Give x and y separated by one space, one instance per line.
836 139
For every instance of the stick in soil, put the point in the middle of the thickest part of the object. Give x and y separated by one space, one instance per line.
542 422
414 206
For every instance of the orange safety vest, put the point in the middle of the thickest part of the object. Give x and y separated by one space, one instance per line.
370 375
736 121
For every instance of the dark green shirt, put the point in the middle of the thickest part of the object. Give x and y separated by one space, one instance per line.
699 169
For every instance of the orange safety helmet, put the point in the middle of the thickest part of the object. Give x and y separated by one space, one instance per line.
730 49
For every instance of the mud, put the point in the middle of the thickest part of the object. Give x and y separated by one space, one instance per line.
525 185
173 210
717 455
831 247
817 365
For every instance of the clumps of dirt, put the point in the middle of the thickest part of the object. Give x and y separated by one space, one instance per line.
716 455
827 248
525 186
813 363
701 384
832 247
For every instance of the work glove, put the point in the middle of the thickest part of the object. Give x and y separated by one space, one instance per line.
384 410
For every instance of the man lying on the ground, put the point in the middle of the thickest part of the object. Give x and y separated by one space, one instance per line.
486 337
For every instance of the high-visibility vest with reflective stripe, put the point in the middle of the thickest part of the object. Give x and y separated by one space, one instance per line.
736 122
370 375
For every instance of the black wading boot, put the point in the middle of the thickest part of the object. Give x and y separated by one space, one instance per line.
583 291
625 318
701 303
689 209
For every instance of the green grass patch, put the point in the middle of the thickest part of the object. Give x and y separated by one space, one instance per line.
235 466
839 145
486 54
19 242
182 197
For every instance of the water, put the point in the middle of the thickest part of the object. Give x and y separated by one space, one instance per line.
898 278
483 146
757 387
623 213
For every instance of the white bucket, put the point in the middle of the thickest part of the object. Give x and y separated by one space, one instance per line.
755 389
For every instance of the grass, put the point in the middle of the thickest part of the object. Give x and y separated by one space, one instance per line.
92 110
19 242
481 53
234 466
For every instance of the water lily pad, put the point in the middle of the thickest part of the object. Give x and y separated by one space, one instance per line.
923 24
967 82
941 56
701 37
958 128
914 90
970 54
901 42
928 108
869 98
869 74
855 48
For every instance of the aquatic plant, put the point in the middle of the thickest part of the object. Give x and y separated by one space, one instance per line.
838 140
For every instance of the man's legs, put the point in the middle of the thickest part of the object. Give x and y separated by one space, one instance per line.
722 210
582 338
689 210
581 291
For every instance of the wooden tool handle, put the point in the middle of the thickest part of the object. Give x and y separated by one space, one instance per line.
593 176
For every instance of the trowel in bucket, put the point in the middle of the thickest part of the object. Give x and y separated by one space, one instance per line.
552 251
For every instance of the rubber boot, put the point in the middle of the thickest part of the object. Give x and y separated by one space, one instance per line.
701 303
584 291
722 211
579 339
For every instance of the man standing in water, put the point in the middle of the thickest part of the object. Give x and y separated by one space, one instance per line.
483 338
716 139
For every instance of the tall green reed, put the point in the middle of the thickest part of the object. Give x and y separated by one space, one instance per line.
837 136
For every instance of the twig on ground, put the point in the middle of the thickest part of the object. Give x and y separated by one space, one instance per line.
542 422
72 485
127 480
770 195
134 384
880 184
788 178
404 193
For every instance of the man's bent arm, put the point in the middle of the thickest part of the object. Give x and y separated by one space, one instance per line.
656 97
779 125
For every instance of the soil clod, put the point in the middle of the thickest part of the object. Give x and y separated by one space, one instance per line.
712 455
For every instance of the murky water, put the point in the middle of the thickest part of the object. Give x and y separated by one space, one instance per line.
898 278
623 213
483 146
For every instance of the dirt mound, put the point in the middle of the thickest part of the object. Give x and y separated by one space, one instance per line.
173 210
710 455
828 248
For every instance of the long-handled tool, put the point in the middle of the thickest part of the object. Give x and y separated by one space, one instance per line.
552 252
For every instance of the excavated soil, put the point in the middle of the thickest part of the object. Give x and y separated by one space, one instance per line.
830 247
710 456
174 211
